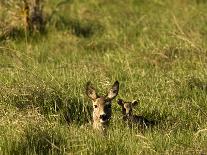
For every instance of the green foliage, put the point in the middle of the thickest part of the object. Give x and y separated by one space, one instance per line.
155 49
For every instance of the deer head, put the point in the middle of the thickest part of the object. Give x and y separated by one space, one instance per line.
131 119
101 105
127 107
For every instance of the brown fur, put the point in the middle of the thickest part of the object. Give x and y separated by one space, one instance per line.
101 105
131 119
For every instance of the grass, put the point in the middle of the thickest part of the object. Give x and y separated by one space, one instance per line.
155 49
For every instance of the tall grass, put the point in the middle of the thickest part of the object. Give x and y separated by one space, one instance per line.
155 49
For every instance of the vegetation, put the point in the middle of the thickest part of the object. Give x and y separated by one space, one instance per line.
156 49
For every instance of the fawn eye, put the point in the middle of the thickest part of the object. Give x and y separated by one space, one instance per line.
95 106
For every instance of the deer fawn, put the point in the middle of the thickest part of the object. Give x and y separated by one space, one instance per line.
131 119
102 105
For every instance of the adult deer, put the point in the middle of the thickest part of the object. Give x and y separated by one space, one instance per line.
102 105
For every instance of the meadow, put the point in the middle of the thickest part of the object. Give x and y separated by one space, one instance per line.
156 49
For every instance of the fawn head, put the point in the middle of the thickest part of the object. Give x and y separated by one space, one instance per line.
127 106
102 104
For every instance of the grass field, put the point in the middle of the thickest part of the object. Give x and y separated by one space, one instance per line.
156 49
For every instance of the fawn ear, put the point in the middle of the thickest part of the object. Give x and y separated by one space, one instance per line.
90 91
135 103
113 92
120 102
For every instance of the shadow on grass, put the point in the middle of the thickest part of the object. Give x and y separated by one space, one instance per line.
16 33
80 28
196 83
201 1
51 102
11 33
76 111
156 117
37 140
163 120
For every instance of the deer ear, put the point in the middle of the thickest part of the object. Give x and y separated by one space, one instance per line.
113 92
90 91
120 102
135 103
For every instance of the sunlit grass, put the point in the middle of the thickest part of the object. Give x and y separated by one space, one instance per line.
155 49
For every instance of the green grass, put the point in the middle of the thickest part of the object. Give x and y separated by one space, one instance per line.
155 49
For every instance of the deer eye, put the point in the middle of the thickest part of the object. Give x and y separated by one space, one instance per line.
95 106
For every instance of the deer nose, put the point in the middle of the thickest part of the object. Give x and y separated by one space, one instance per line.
103 117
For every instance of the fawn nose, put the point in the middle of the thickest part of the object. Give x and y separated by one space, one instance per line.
103 117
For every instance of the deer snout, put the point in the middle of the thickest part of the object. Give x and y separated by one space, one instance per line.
103 117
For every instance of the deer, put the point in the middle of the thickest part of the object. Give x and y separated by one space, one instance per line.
130 118
102 106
